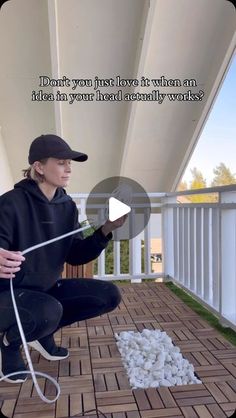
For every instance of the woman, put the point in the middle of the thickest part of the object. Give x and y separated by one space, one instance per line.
36 210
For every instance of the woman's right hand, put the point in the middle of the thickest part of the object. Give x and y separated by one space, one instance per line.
10 262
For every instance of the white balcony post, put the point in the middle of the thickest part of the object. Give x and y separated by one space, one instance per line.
147 242
168 227
134 252
83 216
101 258
135 259
228 258
116 256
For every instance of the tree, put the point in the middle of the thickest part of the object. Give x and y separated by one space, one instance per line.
182 186
124 258
198 182
109 262
223 176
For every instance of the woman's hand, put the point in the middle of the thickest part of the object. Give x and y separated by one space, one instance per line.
10 262
111 226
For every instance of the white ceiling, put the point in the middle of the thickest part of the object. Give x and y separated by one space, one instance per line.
146 141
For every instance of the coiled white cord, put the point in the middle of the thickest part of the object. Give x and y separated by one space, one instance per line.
31 370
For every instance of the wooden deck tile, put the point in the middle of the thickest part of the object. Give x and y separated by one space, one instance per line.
216 411
189 412
229 408
154 398
94 376
62 406
8 406
216 392
203 411
163 412
142 399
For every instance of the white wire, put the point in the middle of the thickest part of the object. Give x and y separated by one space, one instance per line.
31 370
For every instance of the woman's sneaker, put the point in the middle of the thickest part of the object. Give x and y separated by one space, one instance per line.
11 361
48 349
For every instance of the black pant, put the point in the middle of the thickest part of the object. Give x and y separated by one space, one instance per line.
43 313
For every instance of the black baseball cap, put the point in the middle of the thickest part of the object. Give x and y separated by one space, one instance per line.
52 146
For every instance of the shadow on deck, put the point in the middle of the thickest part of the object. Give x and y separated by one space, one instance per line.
93 375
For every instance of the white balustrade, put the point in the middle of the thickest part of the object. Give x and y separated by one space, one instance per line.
199 247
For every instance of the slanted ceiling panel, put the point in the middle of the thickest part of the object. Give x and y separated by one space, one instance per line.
132 38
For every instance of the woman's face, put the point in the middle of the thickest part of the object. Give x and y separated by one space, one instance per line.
56 172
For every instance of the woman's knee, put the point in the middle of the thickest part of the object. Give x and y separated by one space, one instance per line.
49 315
114 295
40 315
44 310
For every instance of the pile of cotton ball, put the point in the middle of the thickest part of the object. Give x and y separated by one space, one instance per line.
151 360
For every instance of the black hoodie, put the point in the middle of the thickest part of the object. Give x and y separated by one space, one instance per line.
28 218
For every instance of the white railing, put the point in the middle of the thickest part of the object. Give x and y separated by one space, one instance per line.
199 247
136 272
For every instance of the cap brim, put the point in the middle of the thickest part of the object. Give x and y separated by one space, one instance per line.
79 156
70 155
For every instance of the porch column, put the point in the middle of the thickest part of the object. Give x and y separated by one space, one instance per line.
168 236
228 258
6 179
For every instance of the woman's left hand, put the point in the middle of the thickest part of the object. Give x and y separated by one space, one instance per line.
111 226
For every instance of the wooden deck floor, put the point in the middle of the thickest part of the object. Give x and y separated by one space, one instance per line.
93 375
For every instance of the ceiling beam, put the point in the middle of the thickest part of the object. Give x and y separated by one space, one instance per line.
145 33
55 59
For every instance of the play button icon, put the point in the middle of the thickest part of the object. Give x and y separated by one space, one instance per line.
115 197
117 209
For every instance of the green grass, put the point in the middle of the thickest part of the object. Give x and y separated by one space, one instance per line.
227 332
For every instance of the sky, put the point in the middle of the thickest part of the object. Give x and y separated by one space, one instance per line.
217 142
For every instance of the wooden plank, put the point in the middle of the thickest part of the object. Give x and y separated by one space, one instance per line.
164 412
123 381
210 358
99 382
227 391
62 406
142 399
216 392
201 359
202 411
9 392
154 398
38 414
75 366
232 384
75 404
131 414
230 367
119 408
185 388
188 412
64 368
195 401
85 366
111 381
191 394
121 400
8 407
111 393
88 401
216 411
166 397
222 378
